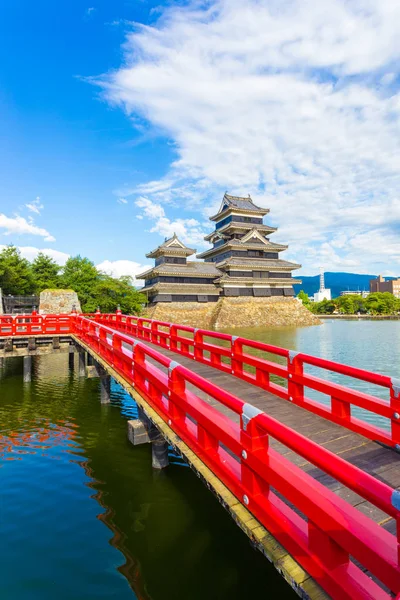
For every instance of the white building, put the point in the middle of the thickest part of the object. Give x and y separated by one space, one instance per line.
323 293
363 294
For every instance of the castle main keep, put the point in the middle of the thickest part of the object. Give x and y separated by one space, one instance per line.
242 261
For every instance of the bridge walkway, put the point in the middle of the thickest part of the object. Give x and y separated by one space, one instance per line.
382 463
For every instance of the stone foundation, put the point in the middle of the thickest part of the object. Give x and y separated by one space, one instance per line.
263 312
58 302
235 312
194 314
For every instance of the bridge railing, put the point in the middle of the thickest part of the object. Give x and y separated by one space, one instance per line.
232 354
331 539
34 324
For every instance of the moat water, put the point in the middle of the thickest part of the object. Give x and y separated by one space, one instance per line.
82 515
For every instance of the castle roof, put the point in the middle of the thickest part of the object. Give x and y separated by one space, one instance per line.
236 225
238 203
172 245
251 264
235 244
189 269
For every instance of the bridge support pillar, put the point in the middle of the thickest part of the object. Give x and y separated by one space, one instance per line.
105 389
71 358
27 369
159 453
82 364
143 431
105 383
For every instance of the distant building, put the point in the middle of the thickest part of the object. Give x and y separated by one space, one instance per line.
241 262
363 294
381 285
323 293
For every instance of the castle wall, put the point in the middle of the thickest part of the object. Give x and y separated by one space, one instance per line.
235 312
58 302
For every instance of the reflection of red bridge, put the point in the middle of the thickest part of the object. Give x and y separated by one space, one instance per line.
312 484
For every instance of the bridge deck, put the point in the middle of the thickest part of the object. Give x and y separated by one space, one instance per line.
382 463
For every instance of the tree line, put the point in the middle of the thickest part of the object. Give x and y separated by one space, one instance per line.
20 277
378 303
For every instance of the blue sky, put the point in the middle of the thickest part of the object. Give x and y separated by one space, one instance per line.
123 122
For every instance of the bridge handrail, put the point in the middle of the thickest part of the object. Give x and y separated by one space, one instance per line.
328 533
332 531
233 358
34 324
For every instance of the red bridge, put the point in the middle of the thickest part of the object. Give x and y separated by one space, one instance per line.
316 487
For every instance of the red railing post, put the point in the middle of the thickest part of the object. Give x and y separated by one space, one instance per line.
197 341
395 407
253 440
13 326
341 409
139 360
295 367
117 350
97 315
173 342
154 332
118 315
176 387
236 356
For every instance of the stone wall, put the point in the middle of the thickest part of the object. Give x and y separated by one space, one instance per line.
263 312
58 302
235 312
194 314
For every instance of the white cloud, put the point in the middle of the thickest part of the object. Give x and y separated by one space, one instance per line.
188 230
19 226
294 101
122 201
90 11
36 206
119 268
30 253
150 209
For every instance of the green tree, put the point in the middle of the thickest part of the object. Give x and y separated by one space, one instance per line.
109 293
325 307
381 303
45 272
350 305
303 297
80 275
15 273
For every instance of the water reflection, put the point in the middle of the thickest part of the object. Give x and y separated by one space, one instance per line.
170 538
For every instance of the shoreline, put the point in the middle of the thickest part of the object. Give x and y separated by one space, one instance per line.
362 317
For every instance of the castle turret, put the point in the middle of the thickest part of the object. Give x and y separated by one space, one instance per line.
175 279
248 261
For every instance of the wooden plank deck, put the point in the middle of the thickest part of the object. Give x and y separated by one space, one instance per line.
382 463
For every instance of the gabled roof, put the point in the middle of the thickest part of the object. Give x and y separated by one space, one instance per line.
239 245
169 246
239 203
254 233
249 264
190 269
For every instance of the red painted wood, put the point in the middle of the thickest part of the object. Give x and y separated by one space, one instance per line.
323 532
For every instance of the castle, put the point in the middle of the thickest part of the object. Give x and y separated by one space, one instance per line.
242 261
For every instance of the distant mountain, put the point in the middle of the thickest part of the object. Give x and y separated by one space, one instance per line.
337 282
